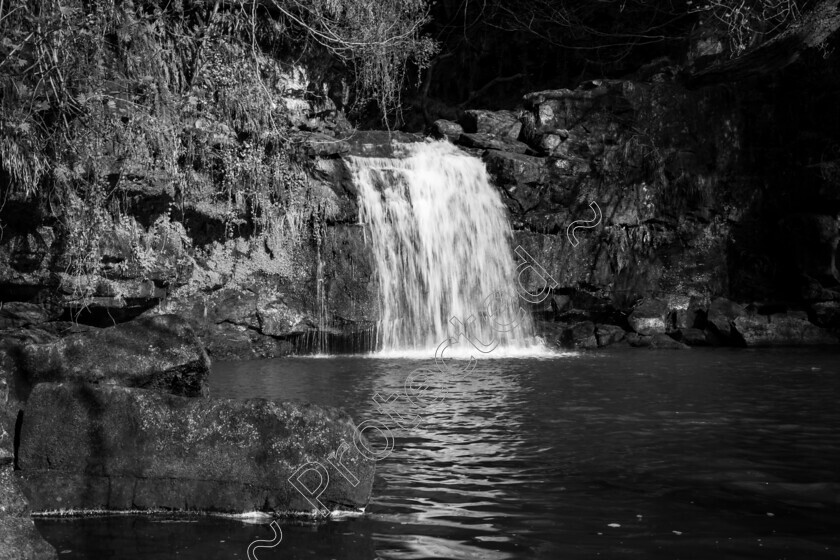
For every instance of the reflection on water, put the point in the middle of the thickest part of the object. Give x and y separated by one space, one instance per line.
625 454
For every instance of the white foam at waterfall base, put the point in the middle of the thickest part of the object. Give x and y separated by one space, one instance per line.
442 244
465 352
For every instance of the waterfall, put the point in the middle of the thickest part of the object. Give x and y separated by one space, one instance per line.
442 245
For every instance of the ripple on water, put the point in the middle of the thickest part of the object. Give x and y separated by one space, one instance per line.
710 454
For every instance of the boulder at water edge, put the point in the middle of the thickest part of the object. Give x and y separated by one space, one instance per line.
722 313
19 539
581 335
8 416
609 334
105 447
781 329
650 317
159 352
655 342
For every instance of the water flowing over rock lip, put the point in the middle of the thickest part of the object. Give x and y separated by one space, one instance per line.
380 143
441 241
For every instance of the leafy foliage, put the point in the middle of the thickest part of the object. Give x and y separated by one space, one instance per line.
185 99
379 38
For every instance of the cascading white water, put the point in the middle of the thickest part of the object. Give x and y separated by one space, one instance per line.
441 241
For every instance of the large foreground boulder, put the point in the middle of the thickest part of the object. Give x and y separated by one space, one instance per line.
108 447
19 539
159 352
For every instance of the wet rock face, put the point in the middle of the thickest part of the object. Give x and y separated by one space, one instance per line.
443 128
650 317
780 329
609 334
655 342
17 314
694 337
7 454
321 145
9 405
581 335
19 539
158 352
680 213
263 315
513 168
648 155
827 315
379 143
662 323
721 315
504 124
105 447
812 243
484 141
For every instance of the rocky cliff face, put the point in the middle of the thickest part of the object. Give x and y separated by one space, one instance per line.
683 214
652 157
246 264
691 207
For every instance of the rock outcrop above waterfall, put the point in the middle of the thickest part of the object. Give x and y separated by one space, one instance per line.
106 447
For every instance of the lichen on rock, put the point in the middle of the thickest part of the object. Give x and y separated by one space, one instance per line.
159 451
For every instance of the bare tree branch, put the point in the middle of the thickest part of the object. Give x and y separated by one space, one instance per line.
477 93
815 27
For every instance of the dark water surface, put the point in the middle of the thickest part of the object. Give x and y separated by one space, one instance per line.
622 454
